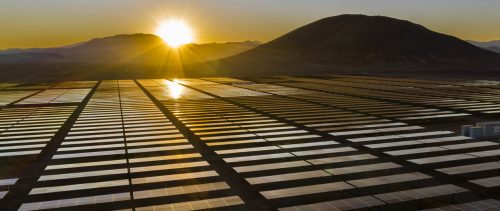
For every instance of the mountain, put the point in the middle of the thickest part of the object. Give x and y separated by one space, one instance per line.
490 45
356 43
11 51
115 57
353 44
494 49
485 44
135 49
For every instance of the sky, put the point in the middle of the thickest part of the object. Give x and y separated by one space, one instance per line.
46 23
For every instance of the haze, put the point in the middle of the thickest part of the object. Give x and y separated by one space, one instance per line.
44 23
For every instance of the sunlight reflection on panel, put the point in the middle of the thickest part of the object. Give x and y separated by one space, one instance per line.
175 89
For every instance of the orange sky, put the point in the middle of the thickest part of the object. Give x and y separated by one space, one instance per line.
44 23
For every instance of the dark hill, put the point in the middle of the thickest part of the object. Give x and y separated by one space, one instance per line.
355 43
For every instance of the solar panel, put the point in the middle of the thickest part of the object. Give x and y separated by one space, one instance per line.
292 143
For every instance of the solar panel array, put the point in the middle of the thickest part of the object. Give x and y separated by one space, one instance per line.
279 143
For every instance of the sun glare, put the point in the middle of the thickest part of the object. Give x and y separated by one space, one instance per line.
175 33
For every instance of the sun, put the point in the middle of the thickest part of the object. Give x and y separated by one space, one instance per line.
175 33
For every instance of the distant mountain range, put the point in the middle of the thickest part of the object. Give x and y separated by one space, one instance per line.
493 45
134 49
355 43
115 57
494 49
485 44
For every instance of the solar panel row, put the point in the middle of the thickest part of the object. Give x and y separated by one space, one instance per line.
287 143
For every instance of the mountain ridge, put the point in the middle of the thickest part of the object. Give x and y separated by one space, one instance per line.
124 46
356 42
352 44
485 44
493 45
495 49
